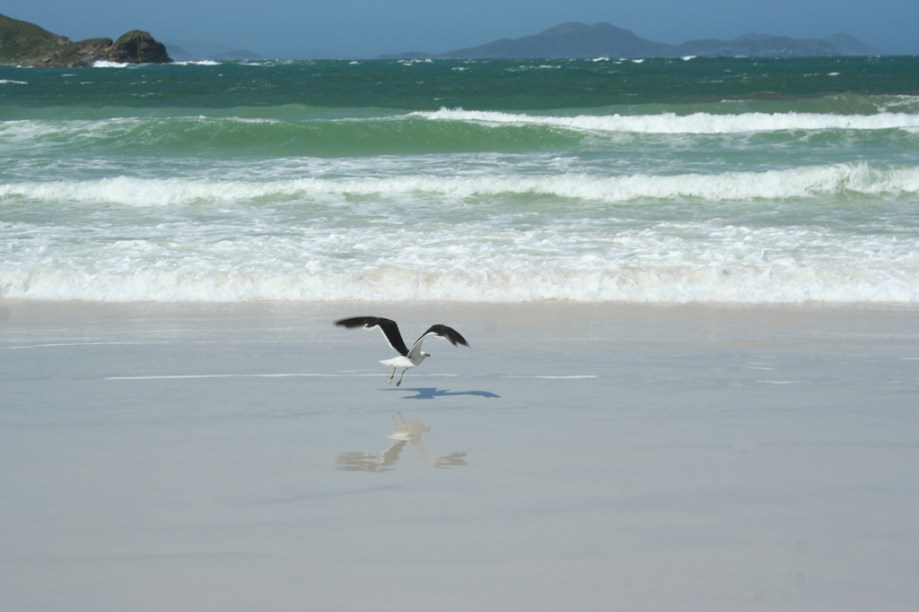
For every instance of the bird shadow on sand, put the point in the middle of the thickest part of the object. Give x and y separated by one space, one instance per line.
432 392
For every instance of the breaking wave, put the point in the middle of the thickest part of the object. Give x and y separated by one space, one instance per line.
859 179
696 123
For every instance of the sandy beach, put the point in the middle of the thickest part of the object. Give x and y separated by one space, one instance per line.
574 457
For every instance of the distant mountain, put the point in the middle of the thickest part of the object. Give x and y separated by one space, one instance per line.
759 45
186 50
579 40
26 44
568 40
849 45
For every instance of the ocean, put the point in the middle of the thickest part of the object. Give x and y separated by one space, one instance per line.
666 181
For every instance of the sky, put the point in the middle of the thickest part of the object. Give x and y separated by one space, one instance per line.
368 28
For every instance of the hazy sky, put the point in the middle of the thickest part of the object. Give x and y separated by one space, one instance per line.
367 28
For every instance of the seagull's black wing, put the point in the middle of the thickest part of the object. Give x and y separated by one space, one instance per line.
388 327
439 329
446 332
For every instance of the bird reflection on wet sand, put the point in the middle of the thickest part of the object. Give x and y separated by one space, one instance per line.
404 432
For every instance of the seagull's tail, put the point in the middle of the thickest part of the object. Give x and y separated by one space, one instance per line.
398 362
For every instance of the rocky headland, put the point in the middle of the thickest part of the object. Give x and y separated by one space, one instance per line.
25 44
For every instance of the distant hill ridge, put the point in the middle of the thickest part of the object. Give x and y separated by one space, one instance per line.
26 44
580 40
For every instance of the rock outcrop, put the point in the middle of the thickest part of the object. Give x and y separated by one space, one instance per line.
26 44
137 47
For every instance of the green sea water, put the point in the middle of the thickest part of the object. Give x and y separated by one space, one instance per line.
829 84
659 180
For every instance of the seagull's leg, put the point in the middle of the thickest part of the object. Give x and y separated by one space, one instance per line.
401 377
391 376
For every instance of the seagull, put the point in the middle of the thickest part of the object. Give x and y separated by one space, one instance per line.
408 357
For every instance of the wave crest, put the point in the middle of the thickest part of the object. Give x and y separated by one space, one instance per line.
696 123
860 179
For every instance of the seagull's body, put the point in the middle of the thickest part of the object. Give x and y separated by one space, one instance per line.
408 357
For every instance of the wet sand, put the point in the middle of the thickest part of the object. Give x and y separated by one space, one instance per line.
591 457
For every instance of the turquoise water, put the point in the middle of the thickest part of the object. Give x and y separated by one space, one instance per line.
667 181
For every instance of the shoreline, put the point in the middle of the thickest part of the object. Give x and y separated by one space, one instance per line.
19 305
597 320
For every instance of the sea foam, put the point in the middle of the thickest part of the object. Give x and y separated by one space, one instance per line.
740 285
803 182
481 259
109 64
695 123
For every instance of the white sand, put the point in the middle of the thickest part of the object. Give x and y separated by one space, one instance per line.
603 457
